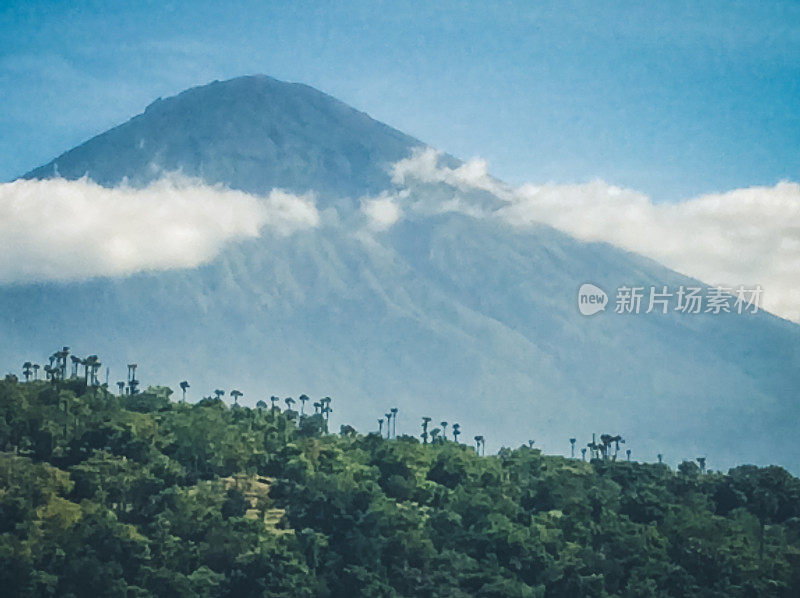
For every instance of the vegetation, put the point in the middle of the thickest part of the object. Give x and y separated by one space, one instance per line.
133 494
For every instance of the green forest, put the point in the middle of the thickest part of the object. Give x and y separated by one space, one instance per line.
129 492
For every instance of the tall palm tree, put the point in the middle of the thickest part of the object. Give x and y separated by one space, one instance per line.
660 457
317 407
26 370
36 367
572 442
628 454
289 403
273 401
326 407
64 354
261 405
236 394
388 424
121 386
76 361
184 385
303 399
444 430
583 454
394 421
701 461
456 432
380 426
531 443
221 393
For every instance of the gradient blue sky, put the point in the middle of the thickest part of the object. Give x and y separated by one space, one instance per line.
670 98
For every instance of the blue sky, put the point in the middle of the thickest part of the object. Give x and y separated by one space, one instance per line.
673 99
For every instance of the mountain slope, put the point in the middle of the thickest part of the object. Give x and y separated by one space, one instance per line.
253 133
460 318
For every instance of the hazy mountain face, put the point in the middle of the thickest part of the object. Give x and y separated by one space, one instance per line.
458 317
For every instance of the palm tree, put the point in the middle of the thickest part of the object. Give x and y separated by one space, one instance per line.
628 454
236 394
701 461
121 386
388 424
184 385
380 427
36 367
303 399
221 393
425 421
444 430
64 354
660 457
76 361
260 405
289 403
326 407
456 432
583 454
26 370
317 407
394 421
572 447
481 441
273 400
531 443
435 435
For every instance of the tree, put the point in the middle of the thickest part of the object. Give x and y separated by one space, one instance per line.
456 432
121 386
572 442
236 394
184 386
221 393
425 421
27 370
36 371
380 426
701 461
274 402
444 430
303 399
388 424
289 403
394 421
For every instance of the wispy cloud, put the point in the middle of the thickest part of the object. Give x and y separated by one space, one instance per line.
745 236
72 230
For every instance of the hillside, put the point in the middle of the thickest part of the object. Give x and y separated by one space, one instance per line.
443 312
140 495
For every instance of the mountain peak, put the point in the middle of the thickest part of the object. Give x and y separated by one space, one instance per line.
252 133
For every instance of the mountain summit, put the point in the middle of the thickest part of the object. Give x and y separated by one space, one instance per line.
253 133
442 314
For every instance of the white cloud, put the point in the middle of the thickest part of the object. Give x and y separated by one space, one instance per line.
382 211
72 230
742 237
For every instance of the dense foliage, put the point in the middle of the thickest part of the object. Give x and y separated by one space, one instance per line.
139 495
